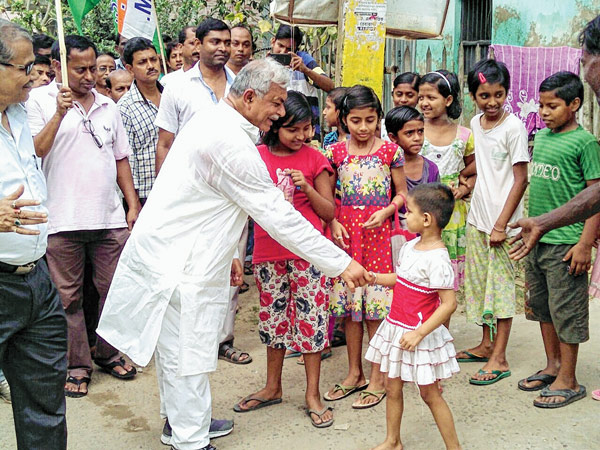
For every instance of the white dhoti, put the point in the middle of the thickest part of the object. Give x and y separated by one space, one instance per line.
185 400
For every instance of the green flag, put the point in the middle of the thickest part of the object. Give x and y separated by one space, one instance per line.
79 8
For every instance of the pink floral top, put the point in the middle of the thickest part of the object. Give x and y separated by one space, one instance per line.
365 180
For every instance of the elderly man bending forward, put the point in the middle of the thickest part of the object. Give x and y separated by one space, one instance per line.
170 288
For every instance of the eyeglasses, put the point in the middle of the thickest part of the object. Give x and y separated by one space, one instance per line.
89 127
27 68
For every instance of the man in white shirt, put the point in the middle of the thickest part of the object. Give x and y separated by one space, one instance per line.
169 292
189 51
33 327
205 83
242 46
80 136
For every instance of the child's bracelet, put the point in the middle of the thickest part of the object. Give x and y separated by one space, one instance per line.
374 278
499 231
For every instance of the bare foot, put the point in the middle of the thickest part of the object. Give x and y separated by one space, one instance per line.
316 405
349 382
265 394
389 445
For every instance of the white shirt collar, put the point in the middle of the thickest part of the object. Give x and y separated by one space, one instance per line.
252 131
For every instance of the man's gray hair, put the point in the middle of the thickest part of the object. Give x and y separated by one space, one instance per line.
9 33
259 75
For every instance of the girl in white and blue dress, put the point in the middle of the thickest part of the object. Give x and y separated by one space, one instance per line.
412 344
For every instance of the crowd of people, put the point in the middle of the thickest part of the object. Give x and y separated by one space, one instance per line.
125 202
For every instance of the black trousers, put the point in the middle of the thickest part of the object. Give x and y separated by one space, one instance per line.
33 355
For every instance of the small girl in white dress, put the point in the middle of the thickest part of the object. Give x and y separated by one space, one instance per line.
411 344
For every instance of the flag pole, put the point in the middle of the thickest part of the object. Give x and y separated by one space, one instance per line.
161 46
61 43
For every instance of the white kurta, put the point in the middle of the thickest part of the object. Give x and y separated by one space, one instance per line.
186 236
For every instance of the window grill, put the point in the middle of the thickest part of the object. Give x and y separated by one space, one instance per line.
476 32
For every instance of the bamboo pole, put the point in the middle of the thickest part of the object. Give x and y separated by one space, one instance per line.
61 43
161 47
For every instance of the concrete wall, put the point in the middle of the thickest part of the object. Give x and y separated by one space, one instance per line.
550 23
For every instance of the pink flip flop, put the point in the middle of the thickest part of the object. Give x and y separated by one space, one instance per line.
596 394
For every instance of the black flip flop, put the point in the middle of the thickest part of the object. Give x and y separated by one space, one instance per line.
262 403
78 382
545 378
569 394
110 369
472 357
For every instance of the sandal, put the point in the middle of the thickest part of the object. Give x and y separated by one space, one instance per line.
596 394
498 376
229 353
472 357
339 338
262 403
346 391
110 369
569 394
545 378
78 382
248 268
380 395
319 414
245 287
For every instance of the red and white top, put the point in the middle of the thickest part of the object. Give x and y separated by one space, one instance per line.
420 274
311 163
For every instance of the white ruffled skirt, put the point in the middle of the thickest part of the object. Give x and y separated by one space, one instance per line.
433 360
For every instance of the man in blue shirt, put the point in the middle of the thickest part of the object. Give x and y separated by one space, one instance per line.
33 327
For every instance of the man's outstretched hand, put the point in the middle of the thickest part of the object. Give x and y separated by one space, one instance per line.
355 276
531 232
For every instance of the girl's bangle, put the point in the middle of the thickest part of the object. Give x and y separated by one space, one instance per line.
374 278
499 231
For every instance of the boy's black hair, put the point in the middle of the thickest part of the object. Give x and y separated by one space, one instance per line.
105 54
447 84
589 38
181 37
493 72
411 78
297 109
286 32
398 116
170 47
73 41
40 40
435 199
41 59
208 25
133 45
166 39
359 97
336 95
566 85
118 37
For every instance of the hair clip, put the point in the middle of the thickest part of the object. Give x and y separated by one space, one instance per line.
482 78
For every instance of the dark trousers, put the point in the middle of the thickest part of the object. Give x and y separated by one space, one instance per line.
33 355
67 253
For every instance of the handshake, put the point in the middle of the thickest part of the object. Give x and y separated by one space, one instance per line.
356 275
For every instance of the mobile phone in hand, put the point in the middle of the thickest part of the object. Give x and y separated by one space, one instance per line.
282 58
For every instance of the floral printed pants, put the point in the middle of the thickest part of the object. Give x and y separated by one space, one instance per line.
294 305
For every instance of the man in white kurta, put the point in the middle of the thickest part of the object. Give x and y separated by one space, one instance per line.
169 292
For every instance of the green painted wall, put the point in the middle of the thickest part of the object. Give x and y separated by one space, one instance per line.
556 23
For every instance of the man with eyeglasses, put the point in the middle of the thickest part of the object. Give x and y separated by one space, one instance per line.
33 328
80 136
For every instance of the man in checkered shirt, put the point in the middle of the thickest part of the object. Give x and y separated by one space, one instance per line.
138 109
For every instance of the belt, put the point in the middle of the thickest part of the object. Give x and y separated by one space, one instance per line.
18 270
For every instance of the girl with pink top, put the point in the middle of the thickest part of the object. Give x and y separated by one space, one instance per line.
412 344
294 294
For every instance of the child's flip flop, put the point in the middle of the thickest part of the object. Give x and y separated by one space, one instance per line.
472 357
346 391
499 375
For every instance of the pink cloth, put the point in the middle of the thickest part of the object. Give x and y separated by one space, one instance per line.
528 67
412 304
311 162
81 178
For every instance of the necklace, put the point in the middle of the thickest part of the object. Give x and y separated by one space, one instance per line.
431 245
496 124
370 148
